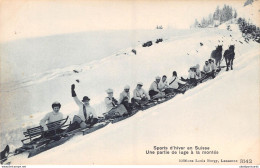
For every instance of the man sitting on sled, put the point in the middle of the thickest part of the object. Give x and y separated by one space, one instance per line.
175 83
124 99
154 91
140 96
86 116
113 108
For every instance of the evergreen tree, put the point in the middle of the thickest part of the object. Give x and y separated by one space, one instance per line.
216 15
221 15
235 14
248 2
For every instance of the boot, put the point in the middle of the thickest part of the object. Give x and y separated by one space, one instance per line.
72 127
5 153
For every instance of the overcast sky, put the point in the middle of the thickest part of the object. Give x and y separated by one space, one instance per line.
30 18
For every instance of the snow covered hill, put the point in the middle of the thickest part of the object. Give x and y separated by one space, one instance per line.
222 113
95 77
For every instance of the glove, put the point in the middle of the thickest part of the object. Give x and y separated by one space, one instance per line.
45 128
143 99
125 99
72 86
73 93
114 100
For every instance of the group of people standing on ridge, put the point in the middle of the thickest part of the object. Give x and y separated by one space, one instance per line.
158 90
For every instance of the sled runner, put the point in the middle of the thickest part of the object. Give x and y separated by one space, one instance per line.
48 145
155 102
95 127
149 104
65 137
134 111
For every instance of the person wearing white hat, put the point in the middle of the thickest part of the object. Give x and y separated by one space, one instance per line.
140 96
53 116
113 108
154 91
110 101
124 98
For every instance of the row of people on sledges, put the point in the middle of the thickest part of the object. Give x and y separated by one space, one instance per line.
87 116
158 90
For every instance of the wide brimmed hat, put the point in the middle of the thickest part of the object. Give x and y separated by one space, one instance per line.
85 98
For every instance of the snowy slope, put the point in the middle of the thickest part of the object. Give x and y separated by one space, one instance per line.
222 113
95 77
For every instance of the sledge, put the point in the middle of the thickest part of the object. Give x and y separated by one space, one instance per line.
36 133
39 143
40 140
185 88
134 111
149 104
49 145
155 102
100 124
95 127
203 79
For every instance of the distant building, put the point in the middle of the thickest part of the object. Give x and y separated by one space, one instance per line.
159 27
